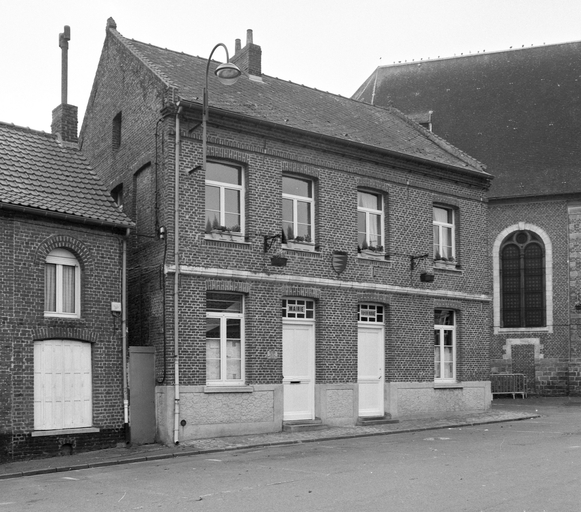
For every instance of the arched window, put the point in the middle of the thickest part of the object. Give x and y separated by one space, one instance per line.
522 280
62 285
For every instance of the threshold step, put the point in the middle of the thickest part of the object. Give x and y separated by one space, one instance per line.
365 421
302 425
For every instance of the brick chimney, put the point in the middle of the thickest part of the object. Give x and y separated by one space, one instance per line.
65 116
249 58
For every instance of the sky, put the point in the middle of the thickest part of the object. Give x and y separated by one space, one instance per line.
331 45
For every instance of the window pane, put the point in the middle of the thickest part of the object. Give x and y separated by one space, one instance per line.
443 317
50 287
446 245
233 349
212 207
223 173
361 228
213 349
303 212
297 187
232 200
442 215
68 298
224 302
437 252
374 229
368 200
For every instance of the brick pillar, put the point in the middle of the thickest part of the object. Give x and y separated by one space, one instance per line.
64 122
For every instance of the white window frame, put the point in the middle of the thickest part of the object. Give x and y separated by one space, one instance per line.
229 186
368 314
62 385
441 330
304 199
63 258
224 317
441 226
372 211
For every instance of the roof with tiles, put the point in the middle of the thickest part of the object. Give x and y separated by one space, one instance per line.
285 103
39 172
517 110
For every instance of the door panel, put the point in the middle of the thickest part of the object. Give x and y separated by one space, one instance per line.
298 368
370 370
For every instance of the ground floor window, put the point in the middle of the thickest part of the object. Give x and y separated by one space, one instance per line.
62 385
224 338
444 345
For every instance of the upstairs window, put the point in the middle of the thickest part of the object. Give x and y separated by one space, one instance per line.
117 195
62 285
444 345
370 221
522 280
298 205
224 198
444 234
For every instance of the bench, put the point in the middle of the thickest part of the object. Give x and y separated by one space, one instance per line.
509 384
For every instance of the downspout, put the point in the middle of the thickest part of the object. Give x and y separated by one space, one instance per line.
176 282
124 335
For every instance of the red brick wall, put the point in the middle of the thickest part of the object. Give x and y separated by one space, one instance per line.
409 190
26 241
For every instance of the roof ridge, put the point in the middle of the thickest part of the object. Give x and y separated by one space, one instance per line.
27 129
477 54
150 65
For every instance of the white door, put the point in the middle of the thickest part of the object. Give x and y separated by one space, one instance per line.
298 369
370 370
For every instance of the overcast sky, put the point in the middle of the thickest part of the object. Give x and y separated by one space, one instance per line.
332 45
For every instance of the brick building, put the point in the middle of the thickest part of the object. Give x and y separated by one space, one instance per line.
331 267
61 377
520 112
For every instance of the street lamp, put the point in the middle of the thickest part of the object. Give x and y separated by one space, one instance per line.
228 74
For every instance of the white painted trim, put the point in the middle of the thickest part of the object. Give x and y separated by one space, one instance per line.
548 277
221 273
64 431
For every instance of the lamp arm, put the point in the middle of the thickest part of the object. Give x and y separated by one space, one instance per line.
205 105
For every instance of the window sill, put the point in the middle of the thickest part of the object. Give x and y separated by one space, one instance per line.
502 330
228 389
300 246
446 268
226 237
448 385
60 315
372 256
64 431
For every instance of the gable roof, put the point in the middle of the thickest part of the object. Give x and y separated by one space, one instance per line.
519 111
40 173
287 104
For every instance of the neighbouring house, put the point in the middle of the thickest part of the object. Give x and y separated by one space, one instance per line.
61 275
300 286
520 112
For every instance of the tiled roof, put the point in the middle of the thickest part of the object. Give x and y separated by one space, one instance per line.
291 105
36 171
518 111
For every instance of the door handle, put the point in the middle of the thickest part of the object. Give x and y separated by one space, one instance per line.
295 381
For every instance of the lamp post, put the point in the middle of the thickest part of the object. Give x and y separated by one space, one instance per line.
228 74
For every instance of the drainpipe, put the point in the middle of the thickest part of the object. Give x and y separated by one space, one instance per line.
176 427
124 335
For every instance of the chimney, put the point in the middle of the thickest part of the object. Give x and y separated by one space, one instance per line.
249 58
64 117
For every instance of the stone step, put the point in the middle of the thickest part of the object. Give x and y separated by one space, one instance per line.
302 425
375 420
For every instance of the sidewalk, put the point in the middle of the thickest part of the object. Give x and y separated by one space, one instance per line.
502 410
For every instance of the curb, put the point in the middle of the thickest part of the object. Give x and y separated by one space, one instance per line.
164 456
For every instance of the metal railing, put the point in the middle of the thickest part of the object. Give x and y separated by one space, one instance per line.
509 384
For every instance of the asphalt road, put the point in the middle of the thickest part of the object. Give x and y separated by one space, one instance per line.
531 466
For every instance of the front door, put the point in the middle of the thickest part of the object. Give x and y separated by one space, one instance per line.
370 369
298 368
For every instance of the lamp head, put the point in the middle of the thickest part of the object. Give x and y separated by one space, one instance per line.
228 73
